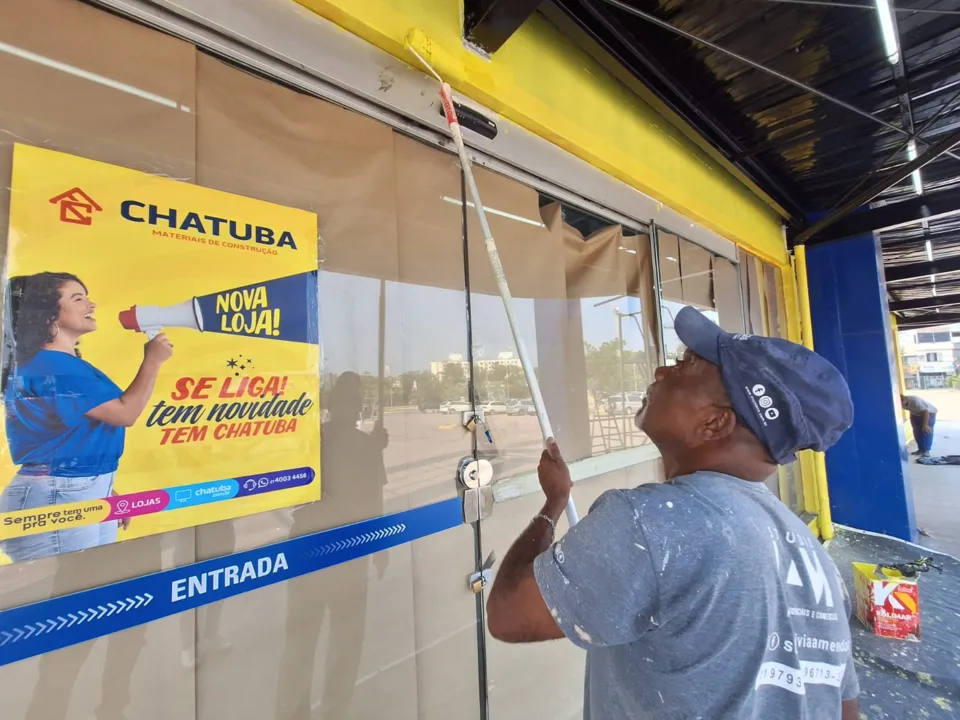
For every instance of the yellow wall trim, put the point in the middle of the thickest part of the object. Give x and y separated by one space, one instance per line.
547 85
806 331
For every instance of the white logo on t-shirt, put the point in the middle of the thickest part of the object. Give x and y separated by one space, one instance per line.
816 578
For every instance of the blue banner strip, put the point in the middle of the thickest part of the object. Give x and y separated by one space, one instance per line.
49 625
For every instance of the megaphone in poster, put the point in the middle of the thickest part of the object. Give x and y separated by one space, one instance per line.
279 309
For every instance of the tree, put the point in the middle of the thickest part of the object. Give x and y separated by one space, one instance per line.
454 382
428 386
453 372
497 374
604 368
515 384
407 382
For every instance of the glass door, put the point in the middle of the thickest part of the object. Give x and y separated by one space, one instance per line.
582 289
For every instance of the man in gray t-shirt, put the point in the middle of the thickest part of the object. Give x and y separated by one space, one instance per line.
704 596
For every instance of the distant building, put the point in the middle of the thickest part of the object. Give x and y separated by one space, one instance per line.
503 359
930 356
437 367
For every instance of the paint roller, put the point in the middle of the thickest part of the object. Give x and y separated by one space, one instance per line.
421 45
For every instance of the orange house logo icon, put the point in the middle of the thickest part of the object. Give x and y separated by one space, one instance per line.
76 207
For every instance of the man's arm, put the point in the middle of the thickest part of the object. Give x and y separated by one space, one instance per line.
516 610
851 710
926 422
597 585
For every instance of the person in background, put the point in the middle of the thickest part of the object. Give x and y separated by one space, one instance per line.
703 596
923 416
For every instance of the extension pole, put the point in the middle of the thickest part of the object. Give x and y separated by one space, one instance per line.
446 97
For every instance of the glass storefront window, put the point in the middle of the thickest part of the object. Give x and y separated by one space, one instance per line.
765 312
583 289
394 633
609 278
691 275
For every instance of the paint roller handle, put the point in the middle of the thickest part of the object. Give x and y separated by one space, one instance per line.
446 99
555 481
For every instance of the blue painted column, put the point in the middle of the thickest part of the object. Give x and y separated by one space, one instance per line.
867 469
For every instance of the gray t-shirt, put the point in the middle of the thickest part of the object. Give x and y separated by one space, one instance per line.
703 598
916 405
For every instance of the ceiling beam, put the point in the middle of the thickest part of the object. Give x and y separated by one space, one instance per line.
490 23
927 302
770 71
922 321
889 180
919 207
909 271
641 54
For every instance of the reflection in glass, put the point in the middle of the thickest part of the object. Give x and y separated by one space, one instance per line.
691 275
423 387
581 285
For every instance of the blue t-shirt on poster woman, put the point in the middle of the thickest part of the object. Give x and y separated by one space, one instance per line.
48 432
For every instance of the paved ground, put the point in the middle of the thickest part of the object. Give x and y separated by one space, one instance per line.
936 489
901 680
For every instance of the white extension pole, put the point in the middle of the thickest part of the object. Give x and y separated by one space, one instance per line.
546 429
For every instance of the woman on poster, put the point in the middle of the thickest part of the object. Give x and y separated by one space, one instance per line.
65 420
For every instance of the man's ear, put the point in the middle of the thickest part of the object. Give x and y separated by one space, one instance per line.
720 423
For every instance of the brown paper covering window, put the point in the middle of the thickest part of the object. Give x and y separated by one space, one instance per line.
262 140
671 288
773 298
752 297
532 254
611 264
429 221
696 268
51 108
726 292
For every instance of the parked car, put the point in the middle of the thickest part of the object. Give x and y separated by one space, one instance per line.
457 406
495 407
522 407
429 406
625 403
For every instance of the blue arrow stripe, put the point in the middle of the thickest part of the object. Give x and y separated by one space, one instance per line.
57 623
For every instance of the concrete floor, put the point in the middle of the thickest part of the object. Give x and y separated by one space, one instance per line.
936 489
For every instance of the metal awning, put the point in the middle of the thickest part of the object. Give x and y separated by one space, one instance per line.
821 105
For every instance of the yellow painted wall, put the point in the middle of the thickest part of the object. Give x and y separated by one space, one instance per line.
546 84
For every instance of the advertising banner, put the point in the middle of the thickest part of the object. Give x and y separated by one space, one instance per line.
161 362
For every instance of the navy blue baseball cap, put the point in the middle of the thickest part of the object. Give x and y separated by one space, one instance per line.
788 396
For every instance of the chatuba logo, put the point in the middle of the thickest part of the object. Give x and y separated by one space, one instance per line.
76 207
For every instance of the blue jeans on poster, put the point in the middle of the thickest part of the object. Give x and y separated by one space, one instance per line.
924 440
30 492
